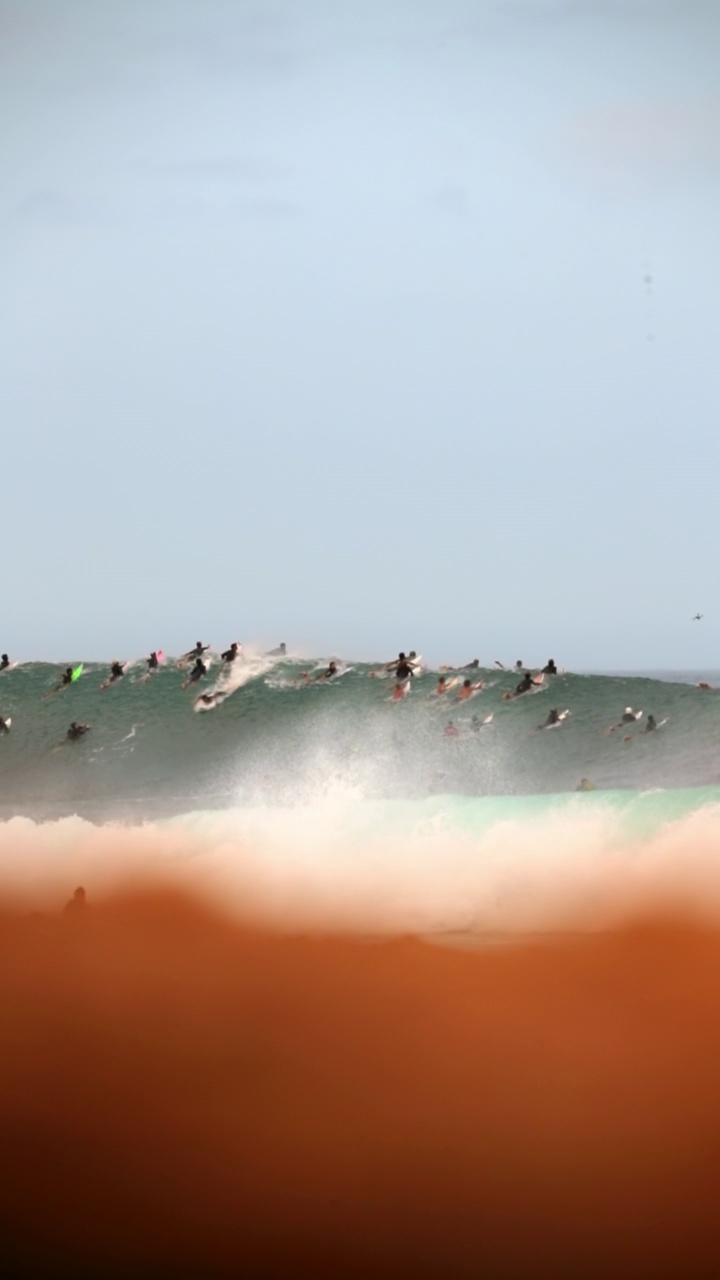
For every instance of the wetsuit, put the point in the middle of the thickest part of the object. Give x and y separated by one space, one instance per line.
198 671
550 669
4 662
403 671
525 684
230 654
116 671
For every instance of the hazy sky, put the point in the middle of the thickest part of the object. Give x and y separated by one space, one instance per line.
361 326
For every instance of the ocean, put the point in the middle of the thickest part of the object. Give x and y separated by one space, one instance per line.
332 803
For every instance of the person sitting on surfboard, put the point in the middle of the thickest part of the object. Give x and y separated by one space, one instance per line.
4 662
231 654
76 731
552 718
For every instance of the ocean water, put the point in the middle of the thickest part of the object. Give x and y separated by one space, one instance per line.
332 802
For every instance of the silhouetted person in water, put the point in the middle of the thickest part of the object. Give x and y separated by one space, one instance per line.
77 904
4 662
76 731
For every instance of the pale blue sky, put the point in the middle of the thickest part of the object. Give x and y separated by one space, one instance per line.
328 322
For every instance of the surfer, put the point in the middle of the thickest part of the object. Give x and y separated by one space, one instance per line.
550 669
197 673
76 731
4 725
4 662
280 652
117 670
651 725
153 662
525 684
468 689
210 699
629 716
442 686
471 666
231 654
404 669
554 717
66 680
197 652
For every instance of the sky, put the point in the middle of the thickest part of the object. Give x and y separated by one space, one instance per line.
361 327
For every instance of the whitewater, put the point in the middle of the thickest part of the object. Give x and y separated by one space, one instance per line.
331 803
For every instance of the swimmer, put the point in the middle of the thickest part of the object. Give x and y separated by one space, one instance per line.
442 686
550 669
401 690
451 730
76 731
77 904
4 662
231 654
468 689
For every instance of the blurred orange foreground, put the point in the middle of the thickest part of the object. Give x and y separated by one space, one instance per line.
183 1096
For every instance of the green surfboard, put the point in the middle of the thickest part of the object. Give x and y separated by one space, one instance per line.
77 673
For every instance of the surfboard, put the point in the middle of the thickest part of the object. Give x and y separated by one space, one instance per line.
77 673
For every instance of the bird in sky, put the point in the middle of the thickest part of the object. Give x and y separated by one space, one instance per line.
697 617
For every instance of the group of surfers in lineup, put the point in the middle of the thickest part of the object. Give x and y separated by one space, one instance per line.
199 669
404 668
